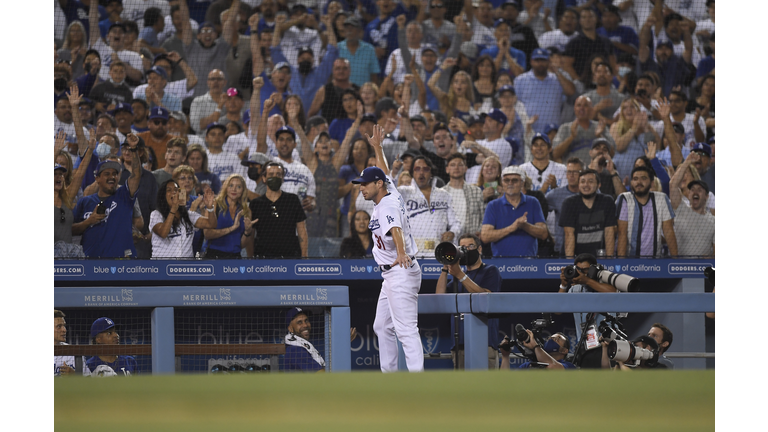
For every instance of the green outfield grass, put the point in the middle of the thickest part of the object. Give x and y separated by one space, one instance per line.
364 401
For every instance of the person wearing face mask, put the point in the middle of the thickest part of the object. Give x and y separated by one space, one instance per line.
306 78
553 353
280 222
253 171
478 278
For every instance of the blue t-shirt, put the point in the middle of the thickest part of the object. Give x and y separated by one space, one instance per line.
541 97
516 54
123 366
362 64
500 214
706 65
338 128
488 277
112 237
229 243
266 91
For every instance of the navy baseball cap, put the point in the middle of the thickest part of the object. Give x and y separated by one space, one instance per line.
108 164
286 129
215 125
306 49
702 148
101 325
419 118
473 120
159 112
158 70
255 158
542 136
117 24
371 174
550 127
291 314
701 183
499 22
497 115
121 106
368 117
666 42
429 47
58 167
353 21
504 89
540 54
204 25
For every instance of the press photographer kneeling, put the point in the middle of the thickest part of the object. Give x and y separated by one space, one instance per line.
479 278
550 355
587 276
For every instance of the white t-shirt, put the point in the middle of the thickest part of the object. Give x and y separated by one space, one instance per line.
297 176
556 38
105 51
387 214
178 243
429 220
223 164
501 147
401 70
537 24
293 39
554 168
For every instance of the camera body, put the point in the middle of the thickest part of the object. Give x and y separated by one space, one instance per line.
620 348
598 272
521 336
447 253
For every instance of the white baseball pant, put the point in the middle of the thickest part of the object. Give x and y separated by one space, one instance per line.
397 315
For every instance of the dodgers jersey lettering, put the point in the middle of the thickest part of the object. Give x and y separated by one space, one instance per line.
387 214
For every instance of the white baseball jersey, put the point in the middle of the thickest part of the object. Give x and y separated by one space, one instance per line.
537 178
59 361
429 220
387 214
297 175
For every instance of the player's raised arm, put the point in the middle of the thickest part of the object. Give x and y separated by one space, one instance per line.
376 140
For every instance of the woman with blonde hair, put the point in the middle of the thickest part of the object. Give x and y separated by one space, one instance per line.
74 47
369 93
460 98
233 217
489 179
631 133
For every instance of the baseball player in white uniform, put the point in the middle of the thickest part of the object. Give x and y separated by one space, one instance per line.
394 250
62 365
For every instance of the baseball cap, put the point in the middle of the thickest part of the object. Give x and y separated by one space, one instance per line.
499 22
504 89
297 7
469 49
598 141
419 118
58 167
306 49
286 129
117 24
429 47
678 128
291 314
105 165
282 65
158 70
514 170
255 158
440 126
101 325
158 112
232 92
550 127
411 153
542 136
121 106
371 174
86 102
614 10
702 148
665 42
141 143
512 3
353 21
204 25
368 117
701 183
540 54
215 125
385 104
474 119
497 115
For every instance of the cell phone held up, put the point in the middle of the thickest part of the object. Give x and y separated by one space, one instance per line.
101 208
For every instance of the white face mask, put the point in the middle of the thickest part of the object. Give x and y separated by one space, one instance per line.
103 150
623 70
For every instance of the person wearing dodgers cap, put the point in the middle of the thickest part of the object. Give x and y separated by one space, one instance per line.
300 354
104 332
155 92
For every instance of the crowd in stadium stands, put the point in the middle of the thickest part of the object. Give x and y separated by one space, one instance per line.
233 128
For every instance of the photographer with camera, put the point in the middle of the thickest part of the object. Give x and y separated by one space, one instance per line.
648 356
552 353
478 278
575 279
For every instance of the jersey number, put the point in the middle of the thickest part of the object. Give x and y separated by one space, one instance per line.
379 243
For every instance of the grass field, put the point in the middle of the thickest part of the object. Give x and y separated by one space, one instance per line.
365 401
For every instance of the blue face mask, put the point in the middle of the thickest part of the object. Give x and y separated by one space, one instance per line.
552 346
103 150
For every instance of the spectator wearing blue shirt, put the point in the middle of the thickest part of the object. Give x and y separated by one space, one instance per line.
543 91
514 221
154 24
362 56
382 31
105 219
515 60
307 79
155 93
113 9
623 38
338 127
